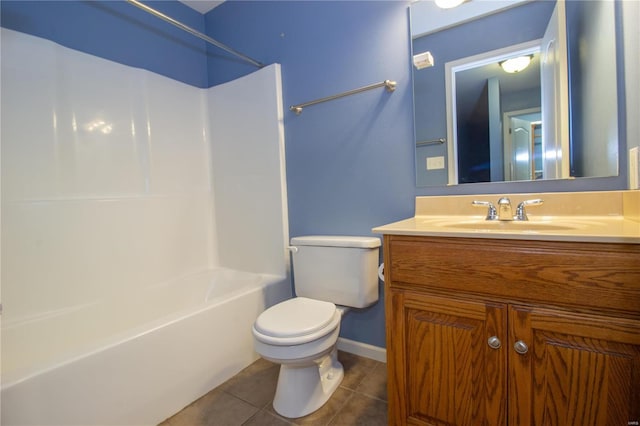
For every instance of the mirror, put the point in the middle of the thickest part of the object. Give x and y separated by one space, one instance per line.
495 116
556 119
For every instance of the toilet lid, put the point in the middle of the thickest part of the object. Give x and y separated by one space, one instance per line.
295 317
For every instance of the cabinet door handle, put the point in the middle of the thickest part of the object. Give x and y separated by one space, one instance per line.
521 347
494 342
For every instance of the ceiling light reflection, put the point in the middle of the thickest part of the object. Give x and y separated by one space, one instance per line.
99 126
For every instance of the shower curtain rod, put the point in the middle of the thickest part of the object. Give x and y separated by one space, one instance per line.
195 33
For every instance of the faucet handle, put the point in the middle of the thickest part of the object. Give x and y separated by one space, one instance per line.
521 213
492 213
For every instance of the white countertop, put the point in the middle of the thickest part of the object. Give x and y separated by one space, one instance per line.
606 216
612 229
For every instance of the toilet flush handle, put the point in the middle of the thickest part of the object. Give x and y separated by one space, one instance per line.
292 249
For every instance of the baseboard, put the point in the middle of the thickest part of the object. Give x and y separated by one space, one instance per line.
362 349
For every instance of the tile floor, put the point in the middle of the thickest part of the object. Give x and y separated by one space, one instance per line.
245 399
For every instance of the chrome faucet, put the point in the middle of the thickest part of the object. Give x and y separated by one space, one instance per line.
504 209
521 213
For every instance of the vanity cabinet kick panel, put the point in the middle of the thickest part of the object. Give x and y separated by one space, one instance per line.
464 348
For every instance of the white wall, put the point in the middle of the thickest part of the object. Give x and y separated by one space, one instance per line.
249 181
106 177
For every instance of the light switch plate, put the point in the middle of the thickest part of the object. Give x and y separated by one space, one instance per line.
435 163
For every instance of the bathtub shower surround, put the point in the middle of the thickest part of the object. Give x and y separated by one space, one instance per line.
129 251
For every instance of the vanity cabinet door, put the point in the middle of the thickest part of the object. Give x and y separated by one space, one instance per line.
576 370
444 370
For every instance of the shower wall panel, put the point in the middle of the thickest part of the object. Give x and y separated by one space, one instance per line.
106 181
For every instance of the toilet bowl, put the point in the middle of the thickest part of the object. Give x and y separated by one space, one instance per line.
301 333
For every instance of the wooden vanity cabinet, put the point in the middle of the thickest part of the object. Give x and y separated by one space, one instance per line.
512 332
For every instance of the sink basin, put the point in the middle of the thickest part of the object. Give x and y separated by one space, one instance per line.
482 225
509 225
598 216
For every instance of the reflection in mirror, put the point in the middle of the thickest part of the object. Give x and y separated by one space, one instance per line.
558 120
495 116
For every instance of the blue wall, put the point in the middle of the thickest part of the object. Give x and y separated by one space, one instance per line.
349 161
119 32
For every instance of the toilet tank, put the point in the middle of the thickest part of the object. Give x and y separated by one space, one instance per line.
338 269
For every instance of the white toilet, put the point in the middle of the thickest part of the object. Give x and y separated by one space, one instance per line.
301 333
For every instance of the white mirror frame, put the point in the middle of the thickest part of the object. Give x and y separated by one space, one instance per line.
451 68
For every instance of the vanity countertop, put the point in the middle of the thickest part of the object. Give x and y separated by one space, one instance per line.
611 229
611 217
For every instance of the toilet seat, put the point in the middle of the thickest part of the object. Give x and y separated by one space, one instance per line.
296 321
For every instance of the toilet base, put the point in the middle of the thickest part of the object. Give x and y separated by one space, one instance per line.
301 390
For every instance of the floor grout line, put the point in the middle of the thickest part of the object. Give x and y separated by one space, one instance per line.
255 385
339 410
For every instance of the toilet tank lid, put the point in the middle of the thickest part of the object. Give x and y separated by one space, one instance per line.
336 241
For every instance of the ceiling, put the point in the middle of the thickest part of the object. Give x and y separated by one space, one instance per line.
202 6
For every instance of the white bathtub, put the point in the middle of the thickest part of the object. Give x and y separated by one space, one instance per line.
137 360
